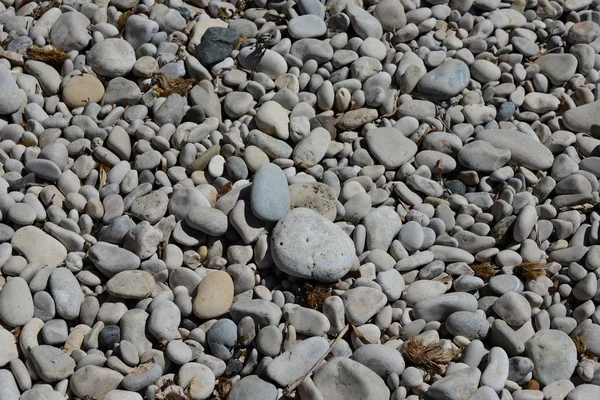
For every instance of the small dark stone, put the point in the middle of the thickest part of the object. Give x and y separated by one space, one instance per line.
289 297
455 186
216 45
95 132
188 324
185 13
195 114
506 110
233 367
338 23
109 335
500 229
237 168
21 183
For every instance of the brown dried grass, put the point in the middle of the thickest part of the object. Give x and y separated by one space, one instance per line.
432 357
222 389
530 270
316 295
484 271
167 86
52 56
581 348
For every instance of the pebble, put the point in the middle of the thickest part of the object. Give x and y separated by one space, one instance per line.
38 247
131 285
445 81
52 364
294 239
390 147
16 303
111 58
81 90
286 368
307 26
553 354
360 381
252 388
270 197
459 384
66 292
214 295
198 199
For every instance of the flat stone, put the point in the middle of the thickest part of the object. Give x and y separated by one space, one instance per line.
142 376
110 260
468 324
390 147
286 368
341 378
559 68
584 392
263 312
513 308
306 26
456 386
131 285
553 354
380 359
8 344
16 303
524 150
111 57
216 44
51 363
439 308
12 97
252 388
445 81
582 118
208 220
94 381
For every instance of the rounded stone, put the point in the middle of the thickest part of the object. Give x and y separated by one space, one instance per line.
308 245
270 197
111 57
214 295
82 90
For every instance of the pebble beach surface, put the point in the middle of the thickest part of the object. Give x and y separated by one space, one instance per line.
299 199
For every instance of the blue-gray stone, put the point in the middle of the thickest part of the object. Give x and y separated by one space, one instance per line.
270 196
109 335
445 81
252 388
222 337
314 7
19 44
506 110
